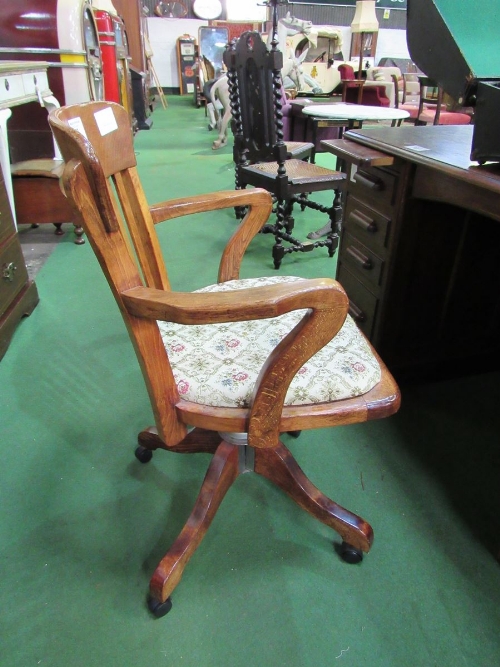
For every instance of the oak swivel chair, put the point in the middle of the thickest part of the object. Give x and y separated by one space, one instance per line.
240 361
262 159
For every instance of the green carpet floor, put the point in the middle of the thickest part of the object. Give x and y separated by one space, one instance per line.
83 524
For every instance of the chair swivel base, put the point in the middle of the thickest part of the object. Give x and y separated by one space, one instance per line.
228 462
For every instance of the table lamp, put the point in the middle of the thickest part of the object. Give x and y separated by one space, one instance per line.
364 21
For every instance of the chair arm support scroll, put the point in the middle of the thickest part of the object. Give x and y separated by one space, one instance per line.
311 334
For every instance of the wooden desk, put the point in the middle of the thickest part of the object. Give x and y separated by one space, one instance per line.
420 248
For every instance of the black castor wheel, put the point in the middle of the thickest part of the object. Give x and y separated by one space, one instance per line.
158 608
143 455
350 554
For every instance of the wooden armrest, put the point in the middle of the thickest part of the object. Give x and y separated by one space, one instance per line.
326 304
235 306
259 203
212 201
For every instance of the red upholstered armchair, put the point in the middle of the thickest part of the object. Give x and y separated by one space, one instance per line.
358 91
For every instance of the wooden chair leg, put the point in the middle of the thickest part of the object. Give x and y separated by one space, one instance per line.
279 466
222 472
198 440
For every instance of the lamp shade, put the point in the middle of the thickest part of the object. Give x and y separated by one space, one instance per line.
365 17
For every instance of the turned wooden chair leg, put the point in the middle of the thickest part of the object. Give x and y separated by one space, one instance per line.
222 472
78 229
279 466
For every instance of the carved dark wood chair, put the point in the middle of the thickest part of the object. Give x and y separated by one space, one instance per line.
260 154
241 361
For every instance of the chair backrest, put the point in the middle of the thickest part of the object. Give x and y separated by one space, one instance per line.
411 89
101 180
431 95
346 72
255 90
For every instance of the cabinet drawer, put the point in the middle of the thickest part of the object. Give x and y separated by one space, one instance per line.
362 303
7 227
13 274
377 186
367 225
35 81
11 88
361 261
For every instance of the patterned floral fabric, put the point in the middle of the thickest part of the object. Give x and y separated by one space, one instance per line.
218 364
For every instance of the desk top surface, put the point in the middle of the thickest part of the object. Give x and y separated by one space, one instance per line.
354 112
443 147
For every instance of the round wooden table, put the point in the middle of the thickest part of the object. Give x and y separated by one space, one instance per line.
355 114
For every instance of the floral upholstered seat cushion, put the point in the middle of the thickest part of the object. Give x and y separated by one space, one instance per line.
218 364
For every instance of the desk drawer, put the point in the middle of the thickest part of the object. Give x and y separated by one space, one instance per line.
362 303
13 274
361 261
374 185
367 225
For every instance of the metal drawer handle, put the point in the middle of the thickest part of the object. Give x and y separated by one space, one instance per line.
368 181
367 224
364 261
356 313
8 271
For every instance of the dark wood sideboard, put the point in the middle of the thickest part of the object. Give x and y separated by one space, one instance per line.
420 248
18 294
